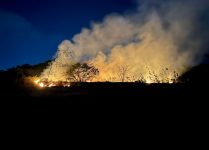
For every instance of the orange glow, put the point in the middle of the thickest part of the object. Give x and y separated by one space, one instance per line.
148 81
37 81
41 85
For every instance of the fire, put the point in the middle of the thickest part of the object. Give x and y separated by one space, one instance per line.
37 81
45 83
149 58
148 81
171 82
51 85
41 84
145 46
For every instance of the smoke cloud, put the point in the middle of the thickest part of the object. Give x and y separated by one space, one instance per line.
158 42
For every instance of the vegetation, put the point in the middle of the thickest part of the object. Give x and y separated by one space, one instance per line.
16 82
123 73
21 76
82 72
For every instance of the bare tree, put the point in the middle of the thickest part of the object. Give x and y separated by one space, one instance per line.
82 72
123 73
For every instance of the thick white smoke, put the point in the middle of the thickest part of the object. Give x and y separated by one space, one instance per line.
154 44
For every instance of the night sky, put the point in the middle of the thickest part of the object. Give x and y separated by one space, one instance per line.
31 30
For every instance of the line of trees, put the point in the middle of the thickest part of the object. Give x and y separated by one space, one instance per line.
83 72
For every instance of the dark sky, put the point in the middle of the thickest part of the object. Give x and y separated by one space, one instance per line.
31 30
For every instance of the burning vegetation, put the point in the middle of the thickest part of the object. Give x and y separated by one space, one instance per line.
79 73
152 45
76 73
46 83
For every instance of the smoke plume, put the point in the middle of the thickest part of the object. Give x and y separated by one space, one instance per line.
158 42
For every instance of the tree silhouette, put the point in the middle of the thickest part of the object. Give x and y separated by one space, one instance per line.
82 72
123 73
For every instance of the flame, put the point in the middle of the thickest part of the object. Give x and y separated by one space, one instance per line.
148 81
37 81
41 84
51 85
171 82
45 83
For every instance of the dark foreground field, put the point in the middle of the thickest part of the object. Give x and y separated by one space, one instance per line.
108 97
105 93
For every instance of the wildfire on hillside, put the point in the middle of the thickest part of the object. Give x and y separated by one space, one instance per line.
149 79
156 45
43 84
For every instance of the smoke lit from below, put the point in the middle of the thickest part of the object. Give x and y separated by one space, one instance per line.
147 48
